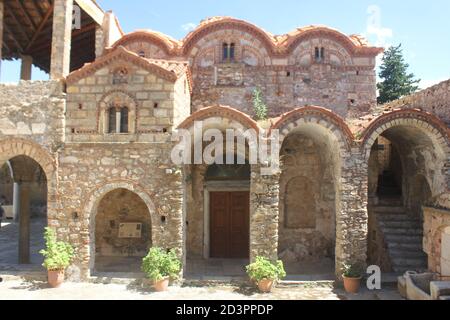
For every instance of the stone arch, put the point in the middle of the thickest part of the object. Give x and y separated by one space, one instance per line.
425 124
221 116
13 147
221 23
159 40
315 116
93 200
350 44
120 98
315 143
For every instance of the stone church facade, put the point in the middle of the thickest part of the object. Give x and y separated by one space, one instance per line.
102 136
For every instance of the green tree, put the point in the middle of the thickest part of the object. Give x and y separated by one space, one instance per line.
259 106
396 81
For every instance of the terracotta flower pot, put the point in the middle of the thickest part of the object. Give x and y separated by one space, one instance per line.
162 285
55 278
265 285
352 285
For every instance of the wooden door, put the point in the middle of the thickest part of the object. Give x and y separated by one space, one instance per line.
229 225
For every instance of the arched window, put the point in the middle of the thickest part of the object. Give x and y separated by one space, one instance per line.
124 120
118 120
225 52
232 51
112 120
228 52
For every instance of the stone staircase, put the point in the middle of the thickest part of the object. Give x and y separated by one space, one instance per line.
403 233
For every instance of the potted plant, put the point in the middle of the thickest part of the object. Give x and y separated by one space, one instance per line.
57 257
265 273
352 274
161 266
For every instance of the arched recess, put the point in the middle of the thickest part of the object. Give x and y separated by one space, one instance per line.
205 180
117 99
315 144
34 175
408 153
91 207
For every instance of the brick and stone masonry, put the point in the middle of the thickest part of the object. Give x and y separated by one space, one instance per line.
106 129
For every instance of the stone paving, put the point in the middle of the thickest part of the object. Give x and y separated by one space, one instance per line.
38 290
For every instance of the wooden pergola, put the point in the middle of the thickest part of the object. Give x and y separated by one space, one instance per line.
28 28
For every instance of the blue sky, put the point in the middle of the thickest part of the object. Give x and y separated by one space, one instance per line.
421 26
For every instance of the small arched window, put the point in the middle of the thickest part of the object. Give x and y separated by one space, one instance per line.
112 120
232 51
225 52
118 120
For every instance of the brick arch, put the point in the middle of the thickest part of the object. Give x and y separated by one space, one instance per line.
93 200
169 46
125 98
315 115
424 121
222 23
13 147
235 118
349 43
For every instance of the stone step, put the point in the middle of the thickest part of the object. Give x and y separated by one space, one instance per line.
416 269
407 246
408 254
402 231
401 238
390 202
417 263
400 224
396 217
389 209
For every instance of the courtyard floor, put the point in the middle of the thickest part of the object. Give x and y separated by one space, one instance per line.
38 290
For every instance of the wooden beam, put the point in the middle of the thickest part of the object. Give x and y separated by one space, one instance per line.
19 25
40 27
38 8
92 9
11 36
26 14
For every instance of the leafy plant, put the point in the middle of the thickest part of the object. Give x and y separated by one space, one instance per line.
58 254
259 106
351 270
263 268
159 264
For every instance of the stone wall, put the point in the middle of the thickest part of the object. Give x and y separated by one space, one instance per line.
89 171
150 100
33 110
436 228
435 100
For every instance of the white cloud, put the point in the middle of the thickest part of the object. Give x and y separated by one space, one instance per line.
426 83
374 27
188 26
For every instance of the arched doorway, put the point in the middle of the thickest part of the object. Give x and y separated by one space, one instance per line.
123 232
23 193
405 170
228 210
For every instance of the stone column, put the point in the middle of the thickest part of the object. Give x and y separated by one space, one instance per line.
351 214
26 67
24 224
1 33
16 201
61 39
264 214
99 41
